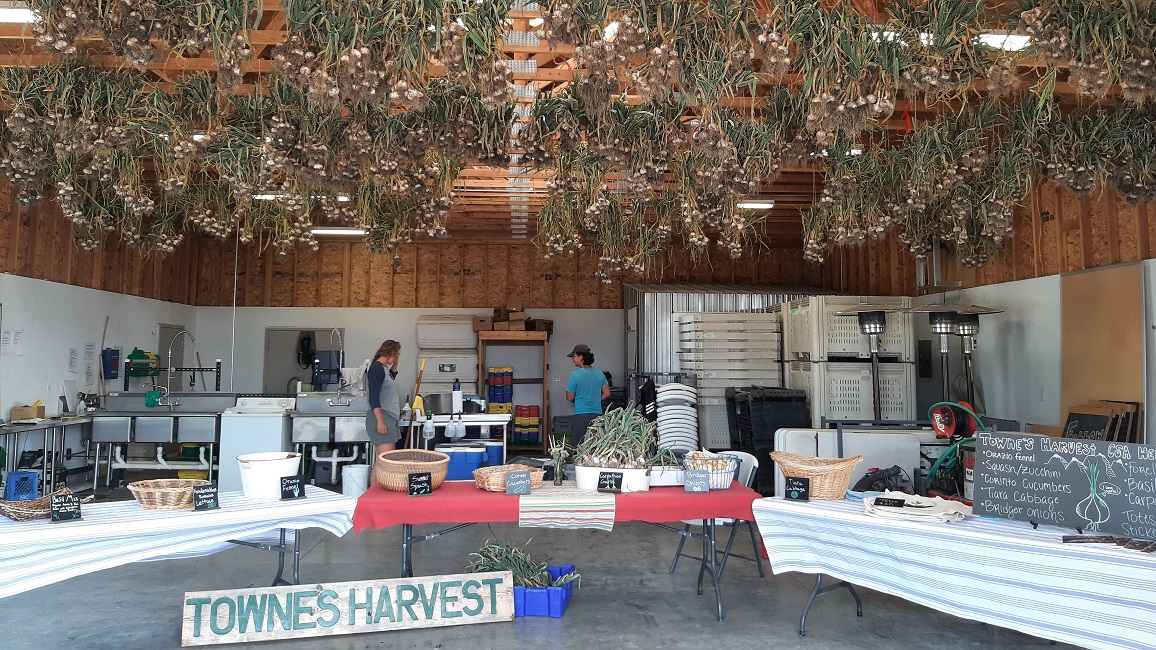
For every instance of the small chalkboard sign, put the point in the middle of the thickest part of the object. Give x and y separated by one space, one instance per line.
517 482
1089 425
798 488
888 502
292 487
205 497
610 481
64 507
696 480
420 484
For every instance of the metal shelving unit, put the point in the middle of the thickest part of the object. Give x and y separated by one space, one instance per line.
487 340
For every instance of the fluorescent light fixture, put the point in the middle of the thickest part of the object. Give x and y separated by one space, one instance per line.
537 22
338 231
18 13
198 137
1005 42
855 152
756 205
274 197
891 37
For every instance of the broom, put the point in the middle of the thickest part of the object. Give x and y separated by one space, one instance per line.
413 411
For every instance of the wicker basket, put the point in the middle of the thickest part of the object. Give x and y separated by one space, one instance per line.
493 479
829 476
39 508
393 468
165 493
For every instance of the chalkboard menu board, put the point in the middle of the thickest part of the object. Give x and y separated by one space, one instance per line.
1073 483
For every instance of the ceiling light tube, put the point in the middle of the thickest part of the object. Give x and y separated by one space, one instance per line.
756 205
334 230
18 13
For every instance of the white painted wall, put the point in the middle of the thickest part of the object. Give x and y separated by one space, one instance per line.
1018 354
52 318
366 328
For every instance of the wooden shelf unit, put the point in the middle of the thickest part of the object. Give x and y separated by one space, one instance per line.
488 339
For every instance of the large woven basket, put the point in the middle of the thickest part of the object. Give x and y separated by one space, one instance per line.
493 479
393 468
39 508
829 476
165 493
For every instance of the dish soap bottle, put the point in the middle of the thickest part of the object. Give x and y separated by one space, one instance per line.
456 398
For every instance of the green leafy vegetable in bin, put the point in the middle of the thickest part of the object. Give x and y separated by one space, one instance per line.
497 555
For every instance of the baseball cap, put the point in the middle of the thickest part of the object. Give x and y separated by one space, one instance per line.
581 348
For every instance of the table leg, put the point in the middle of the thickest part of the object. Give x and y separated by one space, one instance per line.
407 550
819 590
280 560
95 466
709 563
46 462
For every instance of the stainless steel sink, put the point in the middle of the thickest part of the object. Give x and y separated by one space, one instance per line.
111 429
311 428
154 428
350 429
197 428
332 403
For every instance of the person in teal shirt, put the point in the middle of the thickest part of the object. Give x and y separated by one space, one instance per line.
586 389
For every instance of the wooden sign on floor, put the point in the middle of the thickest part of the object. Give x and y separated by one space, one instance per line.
269 613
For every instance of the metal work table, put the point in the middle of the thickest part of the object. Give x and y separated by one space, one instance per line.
52 428
471 420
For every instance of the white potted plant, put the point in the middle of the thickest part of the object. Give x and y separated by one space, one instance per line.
666 469
618 441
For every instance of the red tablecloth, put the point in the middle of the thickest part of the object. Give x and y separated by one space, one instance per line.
463 503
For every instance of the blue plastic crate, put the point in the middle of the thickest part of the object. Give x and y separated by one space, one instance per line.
545 601
22 486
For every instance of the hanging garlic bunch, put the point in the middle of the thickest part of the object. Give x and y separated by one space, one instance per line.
660 71
61 25
1002 77
773 49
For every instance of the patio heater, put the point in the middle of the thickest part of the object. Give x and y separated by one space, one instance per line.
873 323
966 328
942 319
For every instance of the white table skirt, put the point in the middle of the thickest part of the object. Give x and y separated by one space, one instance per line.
38 553
996 571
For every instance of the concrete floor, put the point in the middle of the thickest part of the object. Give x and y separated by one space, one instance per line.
627 599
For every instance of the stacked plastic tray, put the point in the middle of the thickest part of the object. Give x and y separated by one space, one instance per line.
727 350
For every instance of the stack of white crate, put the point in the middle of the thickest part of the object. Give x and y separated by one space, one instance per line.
828 356
728 350
449 346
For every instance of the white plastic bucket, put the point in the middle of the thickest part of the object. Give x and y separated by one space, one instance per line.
261 472
354 480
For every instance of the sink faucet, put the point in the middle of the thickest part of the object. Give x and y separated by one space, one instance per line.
165 399
340 358
169 376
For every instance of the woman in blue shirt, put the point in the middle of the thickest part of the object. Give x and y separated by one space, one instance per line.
381 423
586 389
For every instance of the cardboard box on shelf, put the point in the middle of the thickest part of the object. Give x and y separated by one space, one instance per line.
501 313
515 302
517 315
26 412
518 325
501 325
540 325
483 323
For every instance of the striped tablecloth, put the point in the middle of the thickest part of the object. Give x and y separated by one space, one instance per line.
997 571
38 553
565 506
